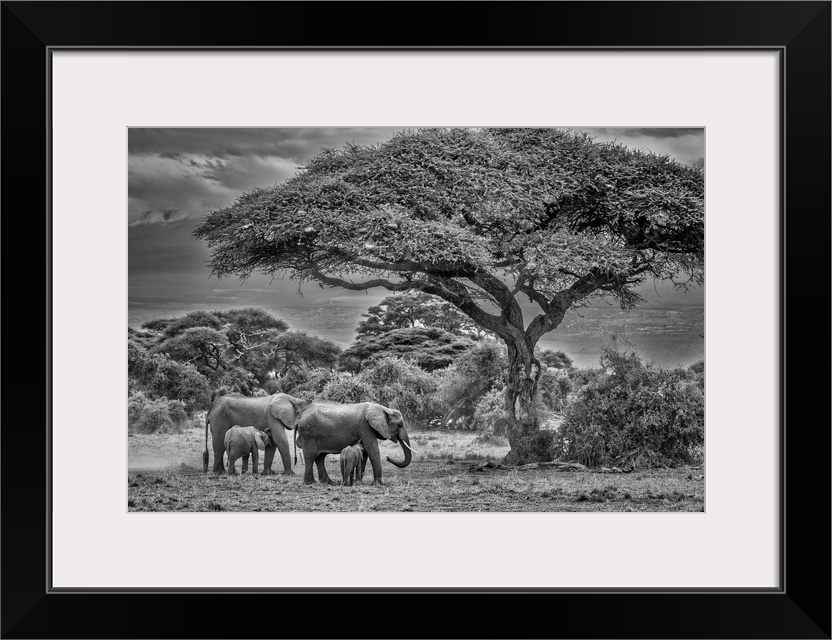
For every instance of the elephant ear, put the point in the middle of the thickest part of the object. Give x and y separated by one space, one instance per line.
283 409
267 436
261 440
377 417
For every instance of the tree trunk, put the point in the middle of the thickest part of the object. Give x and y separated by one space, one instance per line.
528 444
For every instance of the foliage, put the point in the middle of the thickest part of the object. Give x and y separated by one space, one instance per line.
221 344
347 389
553 389
144 338
204 347
489 412
554 359
237 380
302 382
161 415
698 370
629 411
415 309
475 374
401 385
249 321
429 348
158 376
299 349
393 382
174 326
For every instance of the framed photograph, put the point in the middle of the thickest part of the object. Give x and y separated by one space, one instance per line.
424 310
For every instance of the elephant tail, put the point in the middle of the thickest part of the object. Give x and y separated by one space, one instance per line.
205 453
296 444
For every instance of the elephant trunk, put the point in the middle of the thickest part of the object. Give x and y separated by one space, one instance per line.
403 440
296 444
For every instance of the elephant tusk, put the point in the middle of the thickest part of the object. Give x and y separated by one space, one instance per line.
412 449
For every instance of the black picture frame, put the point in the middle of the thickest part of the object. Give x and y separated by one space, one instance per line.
799 31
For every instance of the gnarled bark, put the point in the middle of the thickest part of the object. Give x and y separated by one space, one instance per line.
521 403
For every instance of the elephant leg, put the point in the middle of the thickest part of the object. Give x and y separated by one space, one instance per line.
282 443
371 448
255 460
308 476
359 470
219 450
245 464
323 477
268 456
232 461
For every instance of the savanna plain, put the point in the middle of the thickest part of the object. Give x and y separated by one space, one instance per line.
450 475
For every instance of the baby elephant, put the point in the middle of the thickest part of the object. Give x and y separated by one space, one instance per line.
242 441
353 460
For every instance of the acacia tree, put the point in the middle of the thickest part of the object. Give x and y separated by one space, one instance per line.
412 309
478 217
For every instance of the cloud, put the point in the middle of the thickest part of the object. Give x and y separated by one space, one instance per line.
176 187
646 132
296 144
178 174
683 144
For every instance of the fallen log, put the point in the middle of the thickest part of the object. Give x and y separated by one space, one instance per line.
551 466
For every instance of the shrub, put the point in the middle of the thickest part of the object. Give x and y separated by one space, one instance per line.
462 385
393 382
489 413
157 375
237 380
536 445
302 382
552 389
155 416
347 389
629 412
402 385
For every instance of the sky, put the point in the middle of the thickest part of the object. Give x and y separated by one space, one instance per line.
178 175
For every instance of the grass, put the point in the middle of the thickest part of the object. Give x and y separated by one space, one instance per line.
165 474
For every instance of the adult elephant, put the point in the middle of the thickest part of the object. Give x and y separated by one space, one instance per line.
265 413
327 427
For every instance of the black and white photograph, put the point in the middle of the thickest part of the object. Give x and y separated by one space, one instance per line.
416 319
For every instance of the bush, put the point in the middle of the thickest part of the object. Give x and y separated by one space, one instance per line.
237 380
155 416
399 384
536 445
347 389
552 389
301 382
461 386
157 376
630 412
392 382
489 413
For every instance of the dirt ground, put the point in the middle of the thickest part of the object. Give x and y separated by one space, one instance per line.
165 474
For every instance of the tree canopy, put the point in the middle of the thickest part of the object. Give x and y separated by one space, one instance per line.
427 347
477 217
415 309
